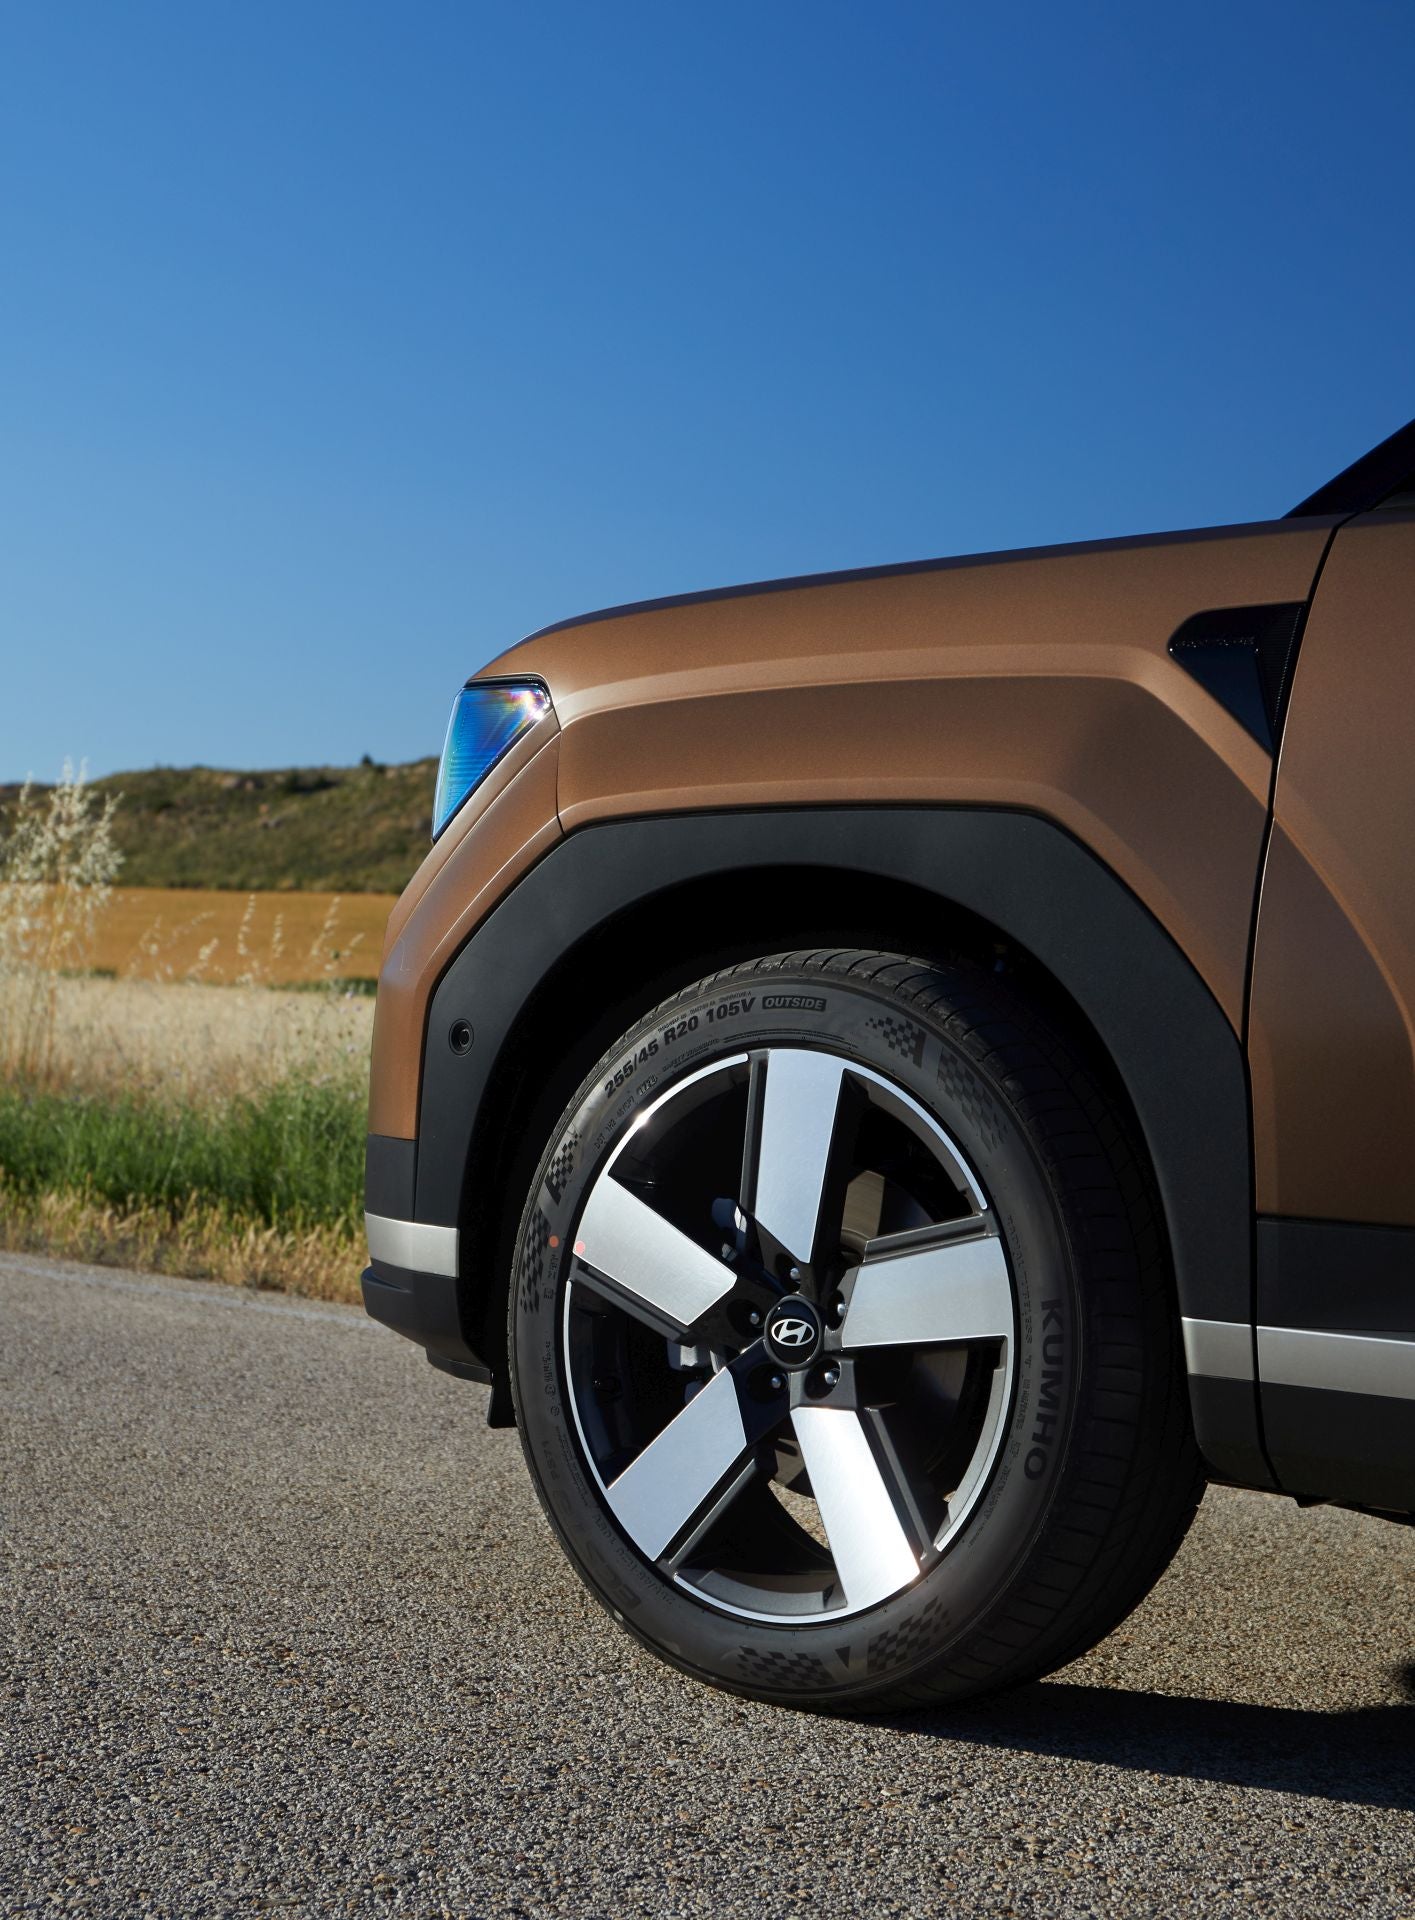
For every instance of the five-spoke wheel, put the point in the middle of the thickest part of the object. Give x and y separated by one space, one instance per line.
818 1324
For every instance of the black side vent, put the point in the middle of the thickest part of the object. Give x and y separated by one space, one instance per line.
1244 657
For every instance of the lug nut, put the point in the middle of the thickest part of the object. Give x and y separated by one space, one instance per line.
754 1318
777 1382
794 1276
830 1377
837 1309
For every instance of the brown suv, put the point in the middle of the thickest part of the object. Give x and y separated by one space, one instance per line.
894 1078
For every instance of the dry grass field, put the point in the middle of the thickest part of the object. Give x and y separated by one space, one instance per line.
269 939
201 1241
197 1043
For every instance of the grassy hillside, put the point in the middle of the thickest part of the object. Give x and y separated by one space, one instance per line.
325 829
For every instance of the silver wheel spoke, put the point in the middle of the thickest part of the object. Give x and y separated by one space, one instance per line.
868 1540
790 1155
955 1290
651 1267
667 1487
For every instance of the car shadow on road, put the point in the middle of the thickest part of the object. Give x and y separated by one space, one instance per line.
1363 1756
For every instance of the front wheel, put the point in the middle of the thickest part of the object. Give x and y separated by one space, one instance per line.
843 1345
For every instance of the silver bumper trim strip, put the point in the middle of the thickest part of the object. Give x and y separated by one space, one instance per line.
412 1244
1219 1349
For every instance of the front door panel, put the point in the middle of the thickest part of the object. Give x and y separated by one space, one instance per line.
1332 1021
1332 1040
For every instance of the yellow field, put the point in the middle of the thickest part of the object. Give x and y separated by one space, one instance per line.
254 939
198 1042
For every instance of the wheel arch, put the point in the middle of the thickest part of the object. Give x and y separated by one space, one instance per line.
657 945
620 914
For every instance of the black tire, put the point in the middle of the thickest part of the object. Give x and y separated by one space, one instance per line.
1093 1476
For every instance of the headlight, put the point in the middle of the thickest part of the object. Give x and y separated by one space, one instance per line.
488 717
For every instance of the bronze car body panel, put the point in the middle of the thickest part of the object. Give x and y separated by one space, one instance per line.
501 831
1039 681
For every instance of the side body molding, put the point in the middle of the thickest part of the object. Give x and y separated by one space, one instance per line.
1176 1051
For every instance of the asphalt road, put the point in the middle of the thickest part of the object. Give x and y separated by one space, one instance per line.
287 1633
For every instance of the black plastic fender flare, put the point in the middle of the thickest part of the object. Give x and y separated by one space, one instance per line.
1178 1056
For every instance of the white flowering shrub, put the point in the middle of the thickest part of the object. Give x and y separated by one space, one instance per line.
57 863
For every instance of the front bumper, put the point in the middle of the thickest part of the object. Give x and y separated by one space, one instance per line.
422 1307
410 1283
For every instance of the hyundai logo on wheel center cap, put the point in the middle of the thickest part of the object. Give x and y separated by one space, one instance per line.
793 1332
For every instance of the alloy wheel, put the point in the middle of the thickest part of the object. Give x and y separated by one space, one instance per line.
789 1336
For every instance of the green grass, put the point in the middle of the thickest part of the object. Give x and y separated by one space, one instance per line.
290 1157
357 829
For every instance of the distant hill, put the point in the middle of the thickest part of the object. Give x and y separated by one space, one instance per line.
357 829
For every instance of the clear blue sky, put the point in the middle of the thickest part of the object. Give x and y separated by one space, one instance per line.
342 344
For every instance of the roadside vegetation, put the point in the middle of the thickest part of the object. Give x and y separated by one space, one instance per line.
158 1119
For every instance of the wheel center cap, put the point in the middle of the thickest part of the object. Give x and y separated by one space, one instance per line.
793 1332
